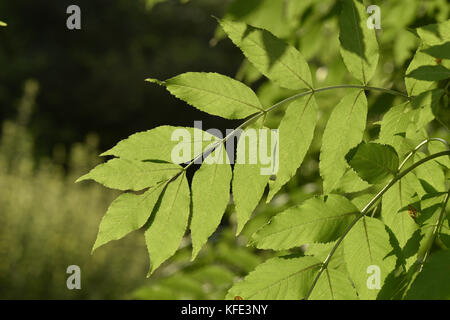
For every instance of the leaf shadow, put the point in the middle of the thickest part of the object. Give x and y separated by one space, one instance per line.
353 29
441 51
272 45
430 73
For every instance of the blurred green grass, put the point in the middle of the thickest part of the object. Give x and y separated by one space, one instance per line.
47 222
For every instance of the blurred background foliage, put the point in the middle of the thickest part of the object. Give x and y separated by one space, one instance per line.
65 96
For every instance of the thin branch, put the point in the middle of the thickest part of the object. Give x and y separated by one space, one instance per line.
289 99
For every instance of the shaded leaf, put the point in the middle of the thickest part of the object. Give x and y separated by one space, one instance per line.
359 46
168 222
368 244
278 61
373 162
433 283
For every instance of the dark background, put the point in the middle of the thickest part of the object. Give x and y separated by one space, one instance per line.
92 80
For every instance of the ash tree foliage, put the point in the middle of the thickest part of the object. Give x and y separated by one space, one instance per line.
379 230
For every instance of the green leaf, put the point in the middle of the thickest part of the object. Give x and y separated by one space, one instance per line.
431 208
433 34
430 174
394 125
436 39
351 182
344 130
373 162
395 214
359 46
210 197
3 24
322 250
296 132
333 285
415 85
124 174
213 93
368 244
280 278
278 61
321 219
433 283
127 213
168 222
247 176
166 143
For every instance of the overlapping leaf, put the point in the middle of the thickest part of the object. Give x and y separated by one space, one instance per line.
433 283
344 130
373 162
210 197
168 222
321 219
278 61
333 285
368 244
249 176
281 278
359 46
296 132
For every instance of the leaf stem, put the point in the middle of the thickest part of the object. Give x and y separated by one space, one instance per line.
257 115
420 146
366 209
